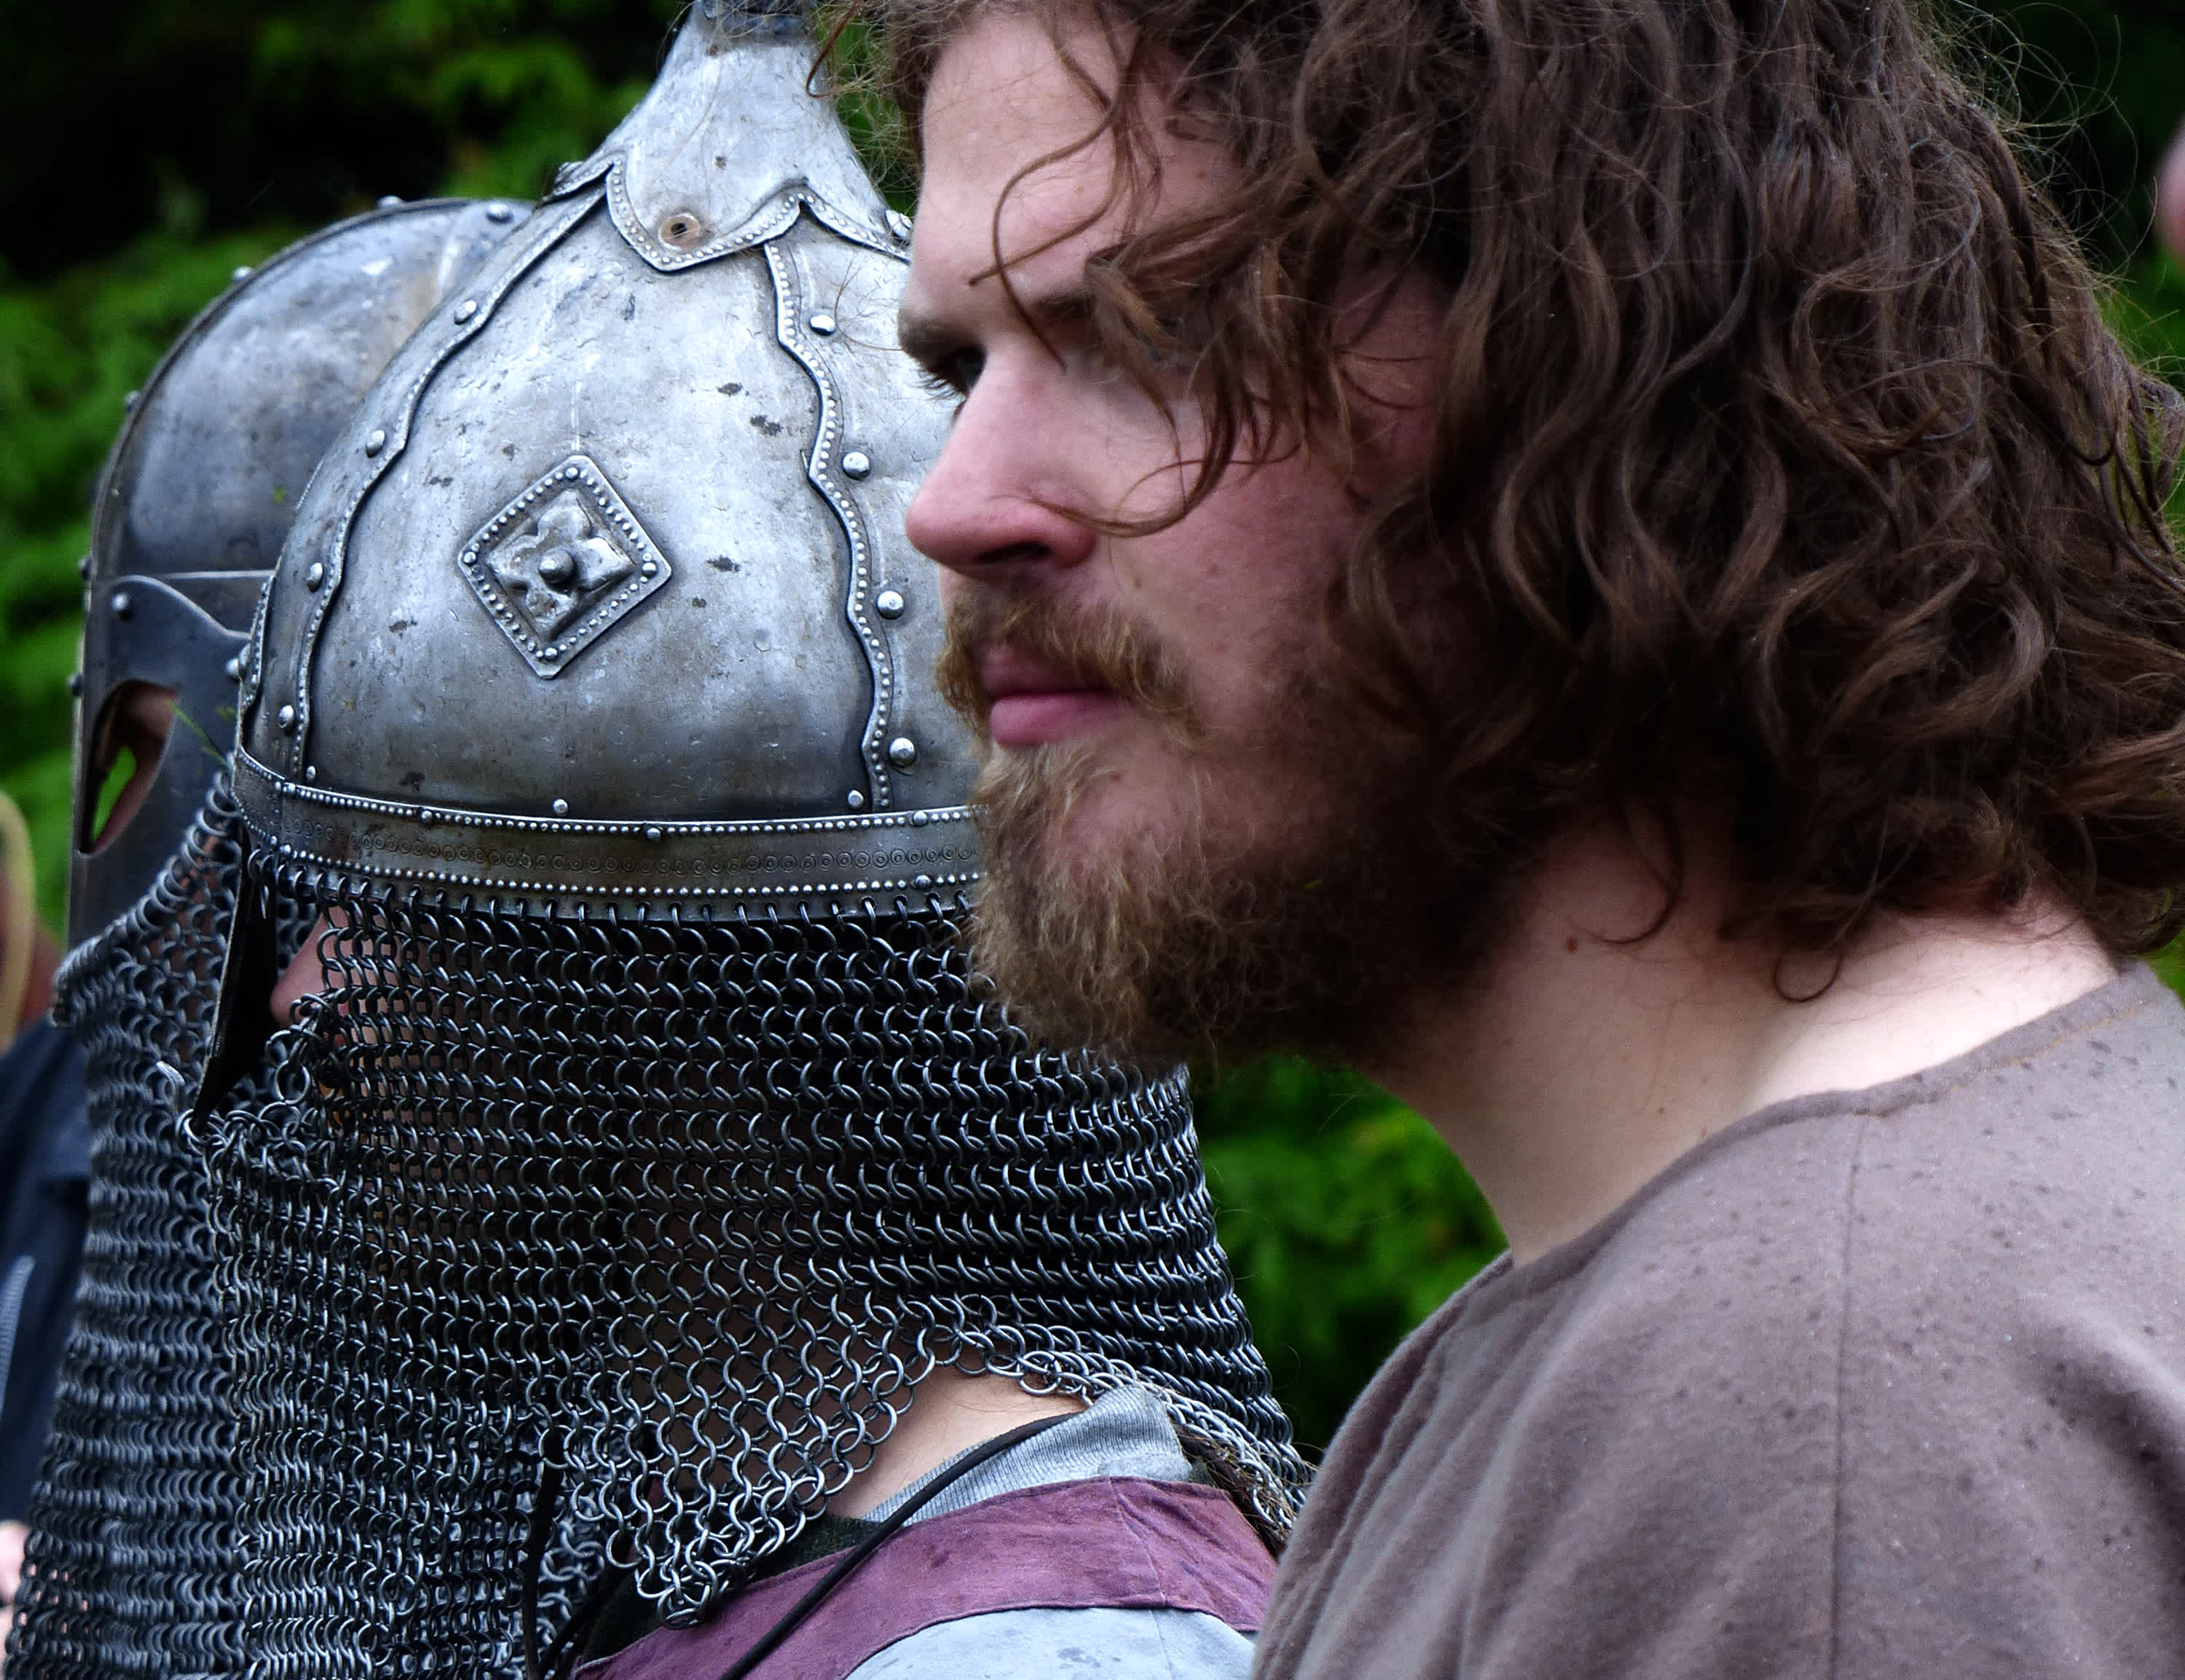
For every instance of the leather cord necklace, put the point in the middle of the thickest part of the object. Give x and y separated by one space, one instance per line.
770 1641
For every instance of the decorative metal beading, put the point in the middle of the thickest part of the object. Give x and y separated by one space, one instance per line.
562 564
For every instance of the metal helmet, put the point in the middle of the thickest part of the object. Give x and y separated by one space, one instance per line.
650 1141
196 500
129 1567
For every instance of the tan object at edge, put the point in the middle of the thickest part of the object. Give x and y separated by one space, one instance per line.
19 920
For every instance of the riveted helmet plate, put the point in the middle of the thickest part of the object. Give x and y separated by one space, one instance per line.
561 563
130 1565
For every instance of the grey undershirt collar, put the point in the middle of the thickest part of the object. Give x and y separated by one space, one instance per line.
1123 1432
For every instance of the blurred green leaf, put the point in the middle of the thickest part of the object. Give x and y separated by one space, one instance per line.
1346 1220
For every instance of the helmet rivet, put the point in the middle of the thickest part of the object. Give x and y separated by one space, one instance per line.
903 752
75 684
921 882
560 808
918 819
310 772
652 833
130 402
556 567
241 273
855 800
857 463
390 201
898 224
234 668
375 441
120 603
286 718
465 309
823 324
83 568
316 576
650 568
889 603
498 212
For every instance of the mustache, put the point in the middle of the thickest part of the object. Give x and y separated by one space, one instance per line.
1095 646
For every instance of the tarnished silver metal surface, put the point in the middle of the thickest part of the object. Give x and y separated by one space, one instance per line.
706 677
131 1566
201 486
685 187
649 1141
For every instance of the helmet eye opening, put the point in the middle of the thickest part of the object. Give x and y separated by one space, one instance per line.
127 747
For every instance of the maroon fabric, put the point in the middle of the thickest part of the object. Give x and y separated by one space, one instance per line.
1116 1543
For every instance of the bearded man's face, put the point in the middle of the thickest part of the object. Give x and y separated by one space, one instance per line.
1195 837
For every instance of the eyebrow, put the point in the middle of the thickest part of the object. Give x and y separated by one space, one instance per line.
925 339
928 340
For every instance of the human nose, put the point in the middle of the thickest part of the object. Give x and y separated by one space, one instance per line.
306 976
998 495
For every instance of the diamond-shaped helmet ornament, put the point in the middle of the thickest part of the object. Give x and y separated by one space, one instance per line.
562 564
698 454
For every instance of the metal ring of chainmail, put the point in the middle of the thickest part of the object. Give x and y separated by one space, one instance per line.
129 1568
681 1207
699 1200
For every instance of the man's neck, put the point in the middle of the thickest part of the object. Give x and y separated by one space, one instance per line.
950 1413
1590 1056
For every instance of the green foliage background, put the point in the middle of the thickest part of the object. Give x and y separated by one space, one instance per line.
159 143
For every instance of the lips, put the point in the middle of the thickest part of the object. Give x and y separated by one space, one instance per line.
1033 704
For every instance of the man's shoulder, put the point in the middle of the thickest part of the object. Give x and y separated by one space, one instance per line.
1637 1432
2040 1167
1849 1341
2032 1147
2006 1210
2018 1197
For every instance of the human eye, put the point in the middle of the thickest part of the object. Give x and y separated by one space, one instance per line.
1136 344
953 373
1136 363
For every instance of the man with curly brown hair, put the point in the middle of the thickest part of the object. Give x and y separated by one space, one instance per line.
1596 560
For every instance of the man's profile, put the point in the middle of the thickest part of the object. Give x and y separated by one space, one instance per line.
1598 562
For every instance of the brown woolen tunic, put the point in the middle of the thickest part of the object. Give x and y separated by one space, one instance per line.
1885 1382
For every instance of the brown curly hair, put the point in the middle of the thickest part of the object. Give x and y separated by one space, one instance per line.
1782 467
